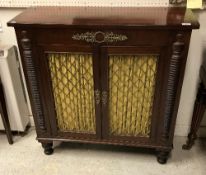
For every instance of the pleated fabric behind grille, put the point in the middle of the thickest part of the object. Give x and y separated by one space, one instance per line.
131 92
73 90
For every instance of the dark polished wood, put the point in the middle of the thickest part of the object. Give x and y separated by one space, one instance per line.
174 73
162 156
102 31
149 17
199 110
4 115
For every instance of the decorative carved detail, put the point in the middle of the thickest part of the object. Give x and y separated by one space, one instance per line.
174 69
104 97
99 37
97 96
27 53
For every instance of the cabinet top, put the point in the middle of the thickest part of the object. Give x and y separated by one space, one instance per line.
142 17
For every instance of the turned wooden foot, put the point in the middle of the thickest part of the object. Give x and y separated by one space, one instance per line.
162 156
199 109
190 142
48 150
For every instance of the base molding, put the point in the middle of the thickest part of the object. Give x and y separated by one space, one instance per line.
109 142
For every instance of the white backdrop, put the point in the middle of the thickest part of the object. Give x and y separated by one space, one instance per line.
27 3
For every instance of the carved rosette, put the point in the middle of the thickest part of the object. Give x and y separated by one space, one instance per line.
99 37
174 70
27 53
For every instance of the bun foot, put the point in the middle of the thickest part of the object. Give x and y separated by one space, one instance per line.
162 156
48 150
187 146
190 142
162 160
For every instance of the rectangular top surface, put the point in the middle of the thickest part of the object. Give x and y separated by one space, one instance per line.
168 17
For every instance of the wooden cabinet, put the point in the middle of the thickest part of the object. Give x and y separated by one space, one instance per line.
98 75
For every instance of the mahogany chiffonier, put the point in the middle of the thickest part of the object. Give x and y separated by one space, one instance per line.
105 75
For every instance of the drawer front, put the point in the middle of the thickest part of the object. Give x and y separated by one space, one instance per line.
103 37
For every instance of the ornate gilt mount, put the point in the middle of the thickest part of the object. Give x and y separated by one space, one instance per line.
100 96
104 97
99 37
97 96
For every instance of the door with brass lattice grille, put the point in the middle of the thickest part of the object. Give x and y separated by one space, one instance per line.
73 77
128 92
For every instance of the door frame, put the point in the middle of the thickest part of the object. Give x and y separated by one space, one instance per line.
161 51
46 87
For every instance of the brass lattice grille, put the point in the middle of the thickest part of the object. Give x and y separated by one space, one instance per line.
73 90
131 91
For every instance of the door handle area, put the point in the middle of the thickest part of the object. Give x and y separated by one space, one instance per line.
100 97
97 96
104 97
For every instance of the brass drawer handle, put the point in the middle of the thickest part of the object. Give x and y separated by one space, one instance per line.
104 97
99 37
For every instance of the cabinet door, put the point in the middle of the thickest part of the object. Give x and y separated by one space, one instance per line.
70 81
131 89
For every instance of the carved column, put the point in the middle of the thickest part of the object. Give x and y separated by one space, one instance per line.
173 78
27 57
174 70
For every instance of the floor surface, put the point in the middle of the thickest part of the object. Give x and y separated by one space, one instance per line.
26 157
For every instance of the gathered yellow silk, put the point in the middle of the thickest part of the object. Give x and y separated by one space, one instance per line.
73 90
131 91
